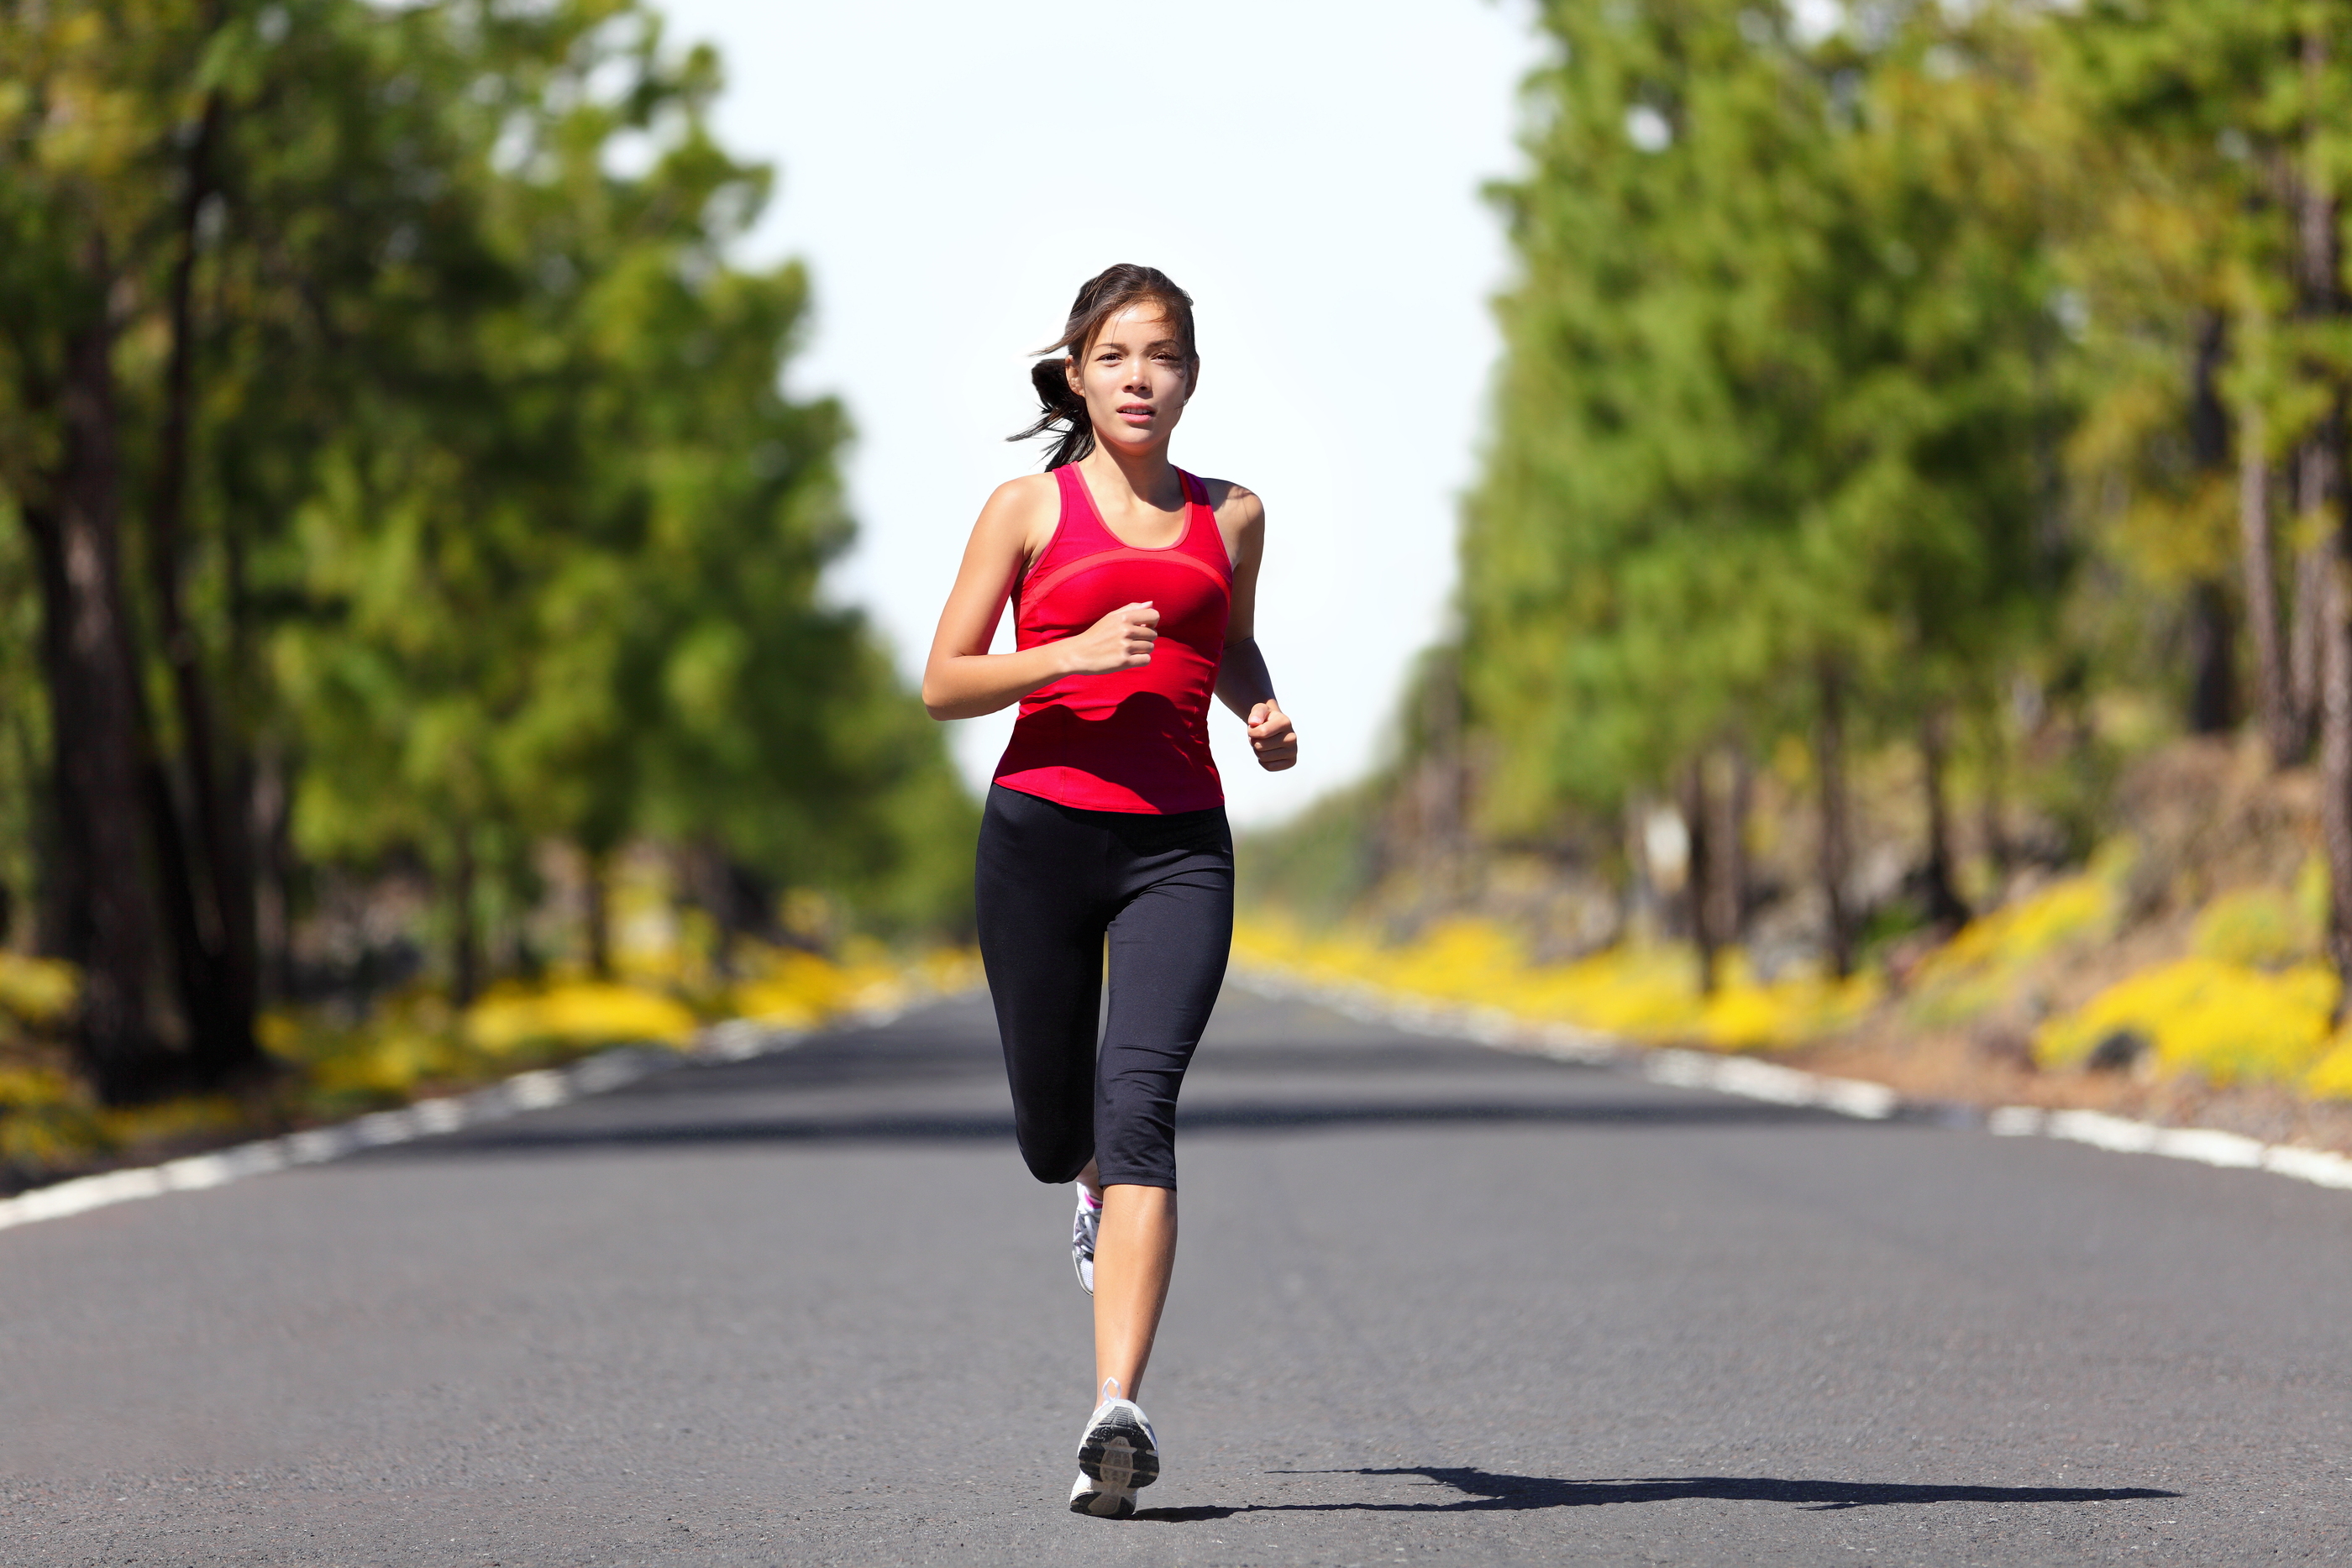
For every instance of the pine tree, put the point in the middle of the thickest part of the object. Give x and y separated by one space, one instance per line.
1771 424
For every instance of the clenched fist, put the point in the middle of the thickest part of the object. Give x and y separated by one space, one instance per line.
1121 639
1271 737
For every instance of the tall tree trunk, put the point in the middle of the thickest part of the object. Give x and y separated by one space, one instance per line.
1828 759
2213 667
1730 851
51 920
1699 870
598 872
2258 566
103 898
270 802
2212 640
2306 617
2335 777
1992 809
465 929
218 976
1945 909
1441 777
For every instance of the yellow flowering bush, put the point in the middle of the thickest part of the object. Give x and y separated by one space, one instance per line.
407 1040
2257 927
412 1038
792 988
1977 967
2331 1077
2225 1022
1744 1015
45 1118
576 1013
1645 992
40 991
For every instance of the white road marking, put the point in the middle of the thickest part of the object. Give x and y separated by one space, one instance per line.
2317 1166
537 1091
1770 1082
738 1040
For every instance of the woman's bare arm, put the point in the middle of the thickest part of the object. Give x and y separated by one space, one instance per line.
961 679
1244 683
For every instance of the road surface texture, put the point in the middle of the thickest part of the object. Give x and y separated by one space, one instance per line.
1436 1304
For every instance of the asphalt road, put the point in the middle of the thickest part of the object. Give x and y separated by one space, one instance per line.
1435 1304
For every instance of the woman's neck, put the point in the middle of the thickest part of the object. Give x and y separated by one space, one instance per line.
1146 479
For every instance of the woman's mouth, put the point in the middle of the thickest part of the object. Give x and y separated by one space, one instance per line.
1137 411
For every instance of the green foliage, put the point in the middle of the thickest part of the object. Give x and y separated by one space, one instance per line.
502 530
1778 395
1317 866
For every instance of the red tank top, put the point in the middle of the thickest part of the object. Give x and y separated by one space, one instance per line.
1129 741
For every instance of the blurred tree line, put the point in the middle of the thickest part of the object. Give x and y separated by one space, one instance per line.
398 476
1863 383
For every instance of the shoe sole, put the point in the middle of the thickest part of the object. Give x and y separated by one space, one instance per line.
1105 1503
1118 1453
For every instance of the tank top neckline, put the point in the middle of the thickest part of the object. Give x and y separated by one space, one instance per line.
1196 499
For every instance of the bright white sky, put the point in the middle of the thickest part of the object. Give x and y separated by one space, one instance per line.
953 169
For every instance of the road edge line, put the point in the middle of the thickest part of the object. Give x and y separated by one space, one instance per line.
732 1039
1750 1079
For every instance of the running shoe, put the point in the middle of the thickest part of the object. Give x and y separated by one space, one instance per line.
1082 1239
1119 1452
1101 1499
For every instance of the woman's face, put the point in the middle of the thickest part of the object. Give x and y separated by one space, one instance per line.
1134 378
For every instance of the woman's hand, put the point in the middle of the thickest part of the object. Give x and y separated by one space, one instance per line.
1272 737
1121 639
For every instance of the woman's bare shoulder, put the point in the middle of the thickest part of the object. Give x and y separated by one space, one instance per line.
1235 502
1019 503
1022 512
1027 493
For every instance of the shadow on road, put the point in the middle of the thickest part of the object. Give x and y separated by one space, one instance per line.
1486 1491
612 1128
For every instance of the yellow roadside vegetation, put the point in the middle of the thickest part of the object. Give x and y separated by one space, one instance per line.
412 1042
2249 1002
1647 993
659 999
37 991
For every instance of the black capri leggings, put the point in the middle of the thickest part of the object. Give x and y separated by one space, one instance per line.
1051 881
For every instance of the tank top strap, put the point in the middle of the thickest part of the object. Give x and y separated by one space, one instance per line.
1074 492
1201 535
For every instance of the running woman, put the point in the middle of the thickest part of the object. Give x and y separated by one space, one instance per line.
1135 589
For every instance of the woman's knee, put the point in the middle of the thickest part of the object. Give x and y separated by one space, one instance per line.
1055 1158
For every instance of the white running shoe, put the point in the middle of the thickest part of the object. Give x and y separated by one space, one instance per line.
1100 1498
1082 1230
1119 1451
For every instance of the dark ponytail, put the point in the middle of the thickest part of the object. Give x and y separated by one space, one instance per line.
1062 409
1063 412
